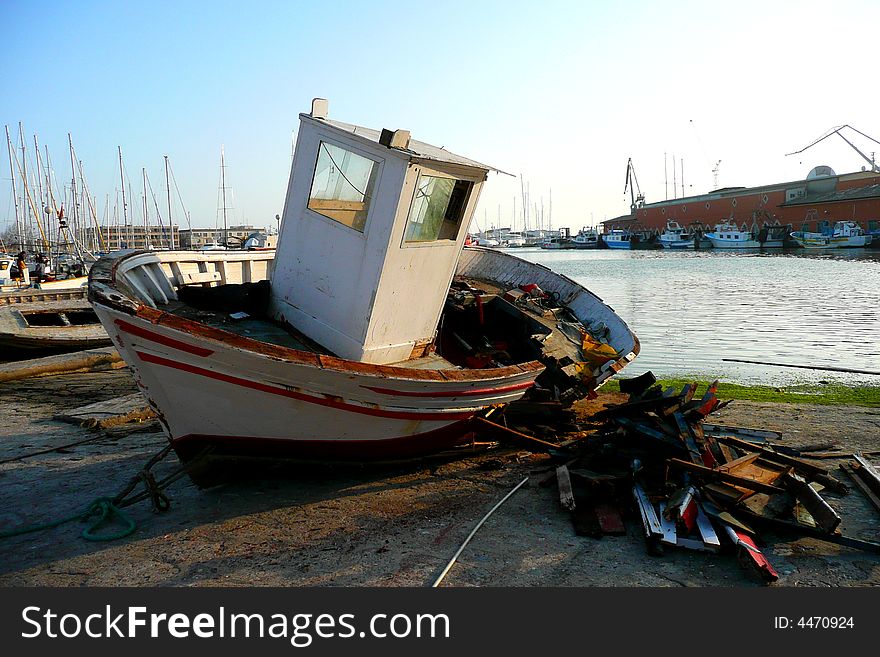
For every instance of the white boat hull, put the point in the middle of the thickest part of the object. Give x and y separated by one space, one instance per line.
734 244
240 397
676 244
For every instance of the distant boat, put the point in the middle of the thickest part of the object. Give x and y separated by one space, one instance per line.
676 237
557 242
586 239
618 238
845 234
49 319
731 236
513 241
8 269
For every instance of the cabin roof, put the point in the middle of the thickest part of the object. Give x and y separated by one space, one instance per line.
856 193
417 149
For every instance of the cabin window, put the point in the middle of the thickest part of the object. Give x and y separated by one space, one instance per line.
437 209
342 186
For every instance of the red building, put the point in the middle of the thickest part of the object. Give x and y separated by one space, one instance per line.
823 197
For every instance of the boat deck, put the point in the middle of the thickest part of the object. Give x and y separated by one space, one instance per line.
270 332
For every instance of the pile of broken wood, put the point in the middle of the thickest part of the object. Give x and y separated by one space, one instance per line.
693 484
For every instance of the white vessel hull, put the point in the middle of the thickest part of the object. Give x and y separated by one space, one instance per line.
239 396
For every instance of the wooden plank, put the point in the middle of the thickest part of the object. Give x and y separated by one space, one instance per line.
609 520
803 467
761 435
198 278
826 518
566 494
91 360
729 456
707 531
749 554
650 521
727 493
868 473
861 485
742 460
669 534
522 439
725 477
109 413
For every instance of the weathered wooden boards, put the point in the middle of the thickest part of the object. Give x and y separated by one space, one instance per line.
694 483
110 413
91 360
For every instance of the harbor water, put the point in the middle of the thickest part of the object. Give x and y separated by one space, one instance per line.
691 310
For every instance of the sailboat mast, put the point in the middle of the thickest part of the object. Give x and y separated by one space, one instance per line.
168 191
122 184
146 227
74 210
14 193
223 187
23 168
44 206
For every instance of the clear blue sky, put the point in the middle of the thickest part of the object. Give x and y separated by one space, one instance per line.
560 92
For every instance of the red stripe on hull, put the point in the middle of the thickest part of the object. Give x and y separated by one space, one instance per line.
418 444
283 392
161 339
452 393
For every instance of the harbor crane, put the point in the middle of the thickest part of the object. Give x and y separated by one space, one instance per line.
715 172
632 183
836 131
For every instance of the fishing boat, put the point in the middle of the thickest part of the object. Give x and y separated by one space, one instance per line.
340 344
513 241
844 234
32 319
730 236
557 242
676 237
586 239
618 238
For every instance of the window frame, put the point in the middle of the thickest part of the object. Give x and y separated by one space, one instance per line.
435 173
377 161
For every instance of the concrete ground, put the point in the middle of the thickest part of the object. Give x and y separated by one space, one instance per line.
390 525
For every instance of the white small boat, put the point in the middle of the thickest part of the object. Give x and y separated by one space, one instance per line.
586 239
341 344
557 242
618 238
731 236
676 237
513 241
845 234
32 319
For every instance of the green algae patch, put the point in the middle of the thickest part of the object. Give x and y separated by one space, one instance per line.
801 393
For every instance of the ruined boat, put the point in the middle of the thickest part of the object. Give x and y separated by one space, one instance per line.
370 332
32 319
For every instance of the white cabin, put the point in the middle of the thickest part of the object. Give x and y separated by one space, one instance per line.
374 223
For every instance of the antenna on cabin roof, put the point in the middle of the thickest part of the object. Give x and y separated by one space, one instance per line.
320 108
